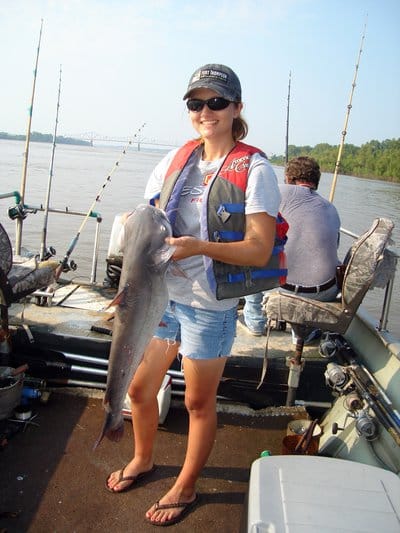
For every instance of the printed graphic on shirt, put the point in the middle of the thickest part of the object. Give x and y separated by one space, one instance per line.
196 191
193 190
207 179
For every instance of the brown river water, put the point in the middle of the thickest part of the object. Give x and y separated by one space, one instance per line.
79 173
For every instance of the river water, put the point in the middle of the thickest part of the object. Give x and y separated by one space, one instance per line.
79 173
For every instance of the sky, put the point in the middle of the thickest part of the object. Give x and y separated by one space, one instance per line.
126 63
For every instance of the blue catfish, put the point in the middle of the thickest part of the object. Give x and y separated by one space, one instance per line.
140 303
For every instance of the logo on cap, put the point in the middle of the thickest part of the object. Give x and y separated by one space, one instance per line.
209 73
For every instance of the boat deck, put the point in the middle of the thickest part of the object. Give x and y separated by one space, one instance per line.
52 480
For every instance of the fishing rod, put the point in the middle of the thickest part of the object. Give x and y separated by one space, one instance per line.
350 376
64 263
346 120
18 236
287 120
44 253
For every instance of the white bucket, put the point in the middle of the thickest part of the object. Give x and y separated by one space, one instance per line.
163 399
10 393
115 244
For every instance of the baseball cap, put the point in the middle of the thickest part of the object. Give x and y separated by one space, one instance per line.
218 78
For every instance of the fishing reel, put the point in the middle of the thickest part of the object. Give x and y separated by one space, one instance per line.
339 380
366 425
332 345
68 266
19 212
336 377
49 252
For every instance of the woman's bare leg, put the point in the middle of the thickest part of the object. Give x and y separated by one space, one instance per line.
202 378
143 392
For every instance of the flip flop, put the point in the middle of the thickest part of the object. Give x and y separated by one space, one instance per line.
186 508
133 479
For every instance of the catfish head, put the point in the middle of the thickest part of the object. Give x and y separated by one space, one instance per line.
146 229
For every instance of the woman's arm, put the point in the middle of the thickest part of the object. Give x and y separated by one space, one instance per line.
254 250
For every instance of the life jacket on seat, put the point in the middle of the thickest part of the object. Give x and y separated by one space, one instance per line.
223 220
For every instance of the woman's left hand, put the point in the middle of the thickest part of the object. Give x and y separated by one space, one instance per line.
254 250
184 247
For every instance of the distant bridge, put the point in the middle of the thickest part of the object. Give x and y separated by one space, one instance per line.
138 140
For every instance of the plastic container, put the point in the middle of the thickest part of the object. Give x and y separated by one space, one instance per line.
114 246
320 494
10 391
163 399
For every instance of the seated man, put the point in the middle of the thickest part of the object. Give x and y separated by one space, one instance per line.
313 239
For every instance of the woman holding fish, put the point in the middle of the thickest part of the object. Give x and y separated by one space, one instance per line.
221 197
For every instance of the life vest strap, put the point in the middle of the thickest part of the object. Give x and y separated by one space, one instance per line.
257 274
224 211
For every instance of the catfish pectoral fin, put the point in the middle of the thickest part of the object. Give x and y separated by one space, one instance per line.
113 429
119 298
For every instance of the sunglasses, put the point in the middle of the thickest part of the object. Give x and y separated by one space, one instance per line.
215 104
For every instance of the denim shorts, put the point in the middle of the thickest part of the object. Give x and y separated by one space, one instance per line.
202 334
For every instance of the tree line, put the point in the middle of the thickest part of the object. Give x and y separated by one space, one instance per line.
375 159
43 138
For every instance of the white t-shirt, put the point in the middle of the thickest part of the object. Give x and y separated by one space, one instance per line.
262 195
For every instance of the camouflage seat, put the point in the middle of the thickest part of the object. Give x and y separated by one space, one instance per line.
18 279
368 264
365 269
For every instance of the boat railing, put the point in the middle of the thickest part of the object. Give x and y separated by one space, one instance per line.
19 212
387 300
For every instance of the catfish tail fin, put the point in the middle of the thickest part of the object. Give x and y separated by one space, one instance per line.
112 429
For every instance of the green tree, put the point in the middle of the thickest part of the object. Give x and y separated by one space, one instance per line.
375 159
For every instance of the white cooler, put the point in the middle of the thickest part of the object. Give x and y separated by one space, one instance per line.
311 494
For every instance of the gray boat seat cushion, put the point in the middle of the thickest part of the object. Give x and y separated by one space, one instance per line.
24 275
366 268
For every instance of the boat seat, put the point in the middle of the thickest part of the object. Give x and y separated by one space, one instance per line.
18 278
305 493
368 265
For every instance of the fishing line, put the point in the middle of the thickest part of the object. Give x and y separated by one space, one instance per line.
18 235
43 251
346 120
64 263
287 120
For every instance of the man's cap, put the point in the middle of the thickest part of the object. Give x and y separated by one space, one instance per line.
218 78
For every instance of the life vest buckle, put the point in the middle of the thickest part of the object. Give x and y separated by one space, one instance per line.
248 279
223 214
